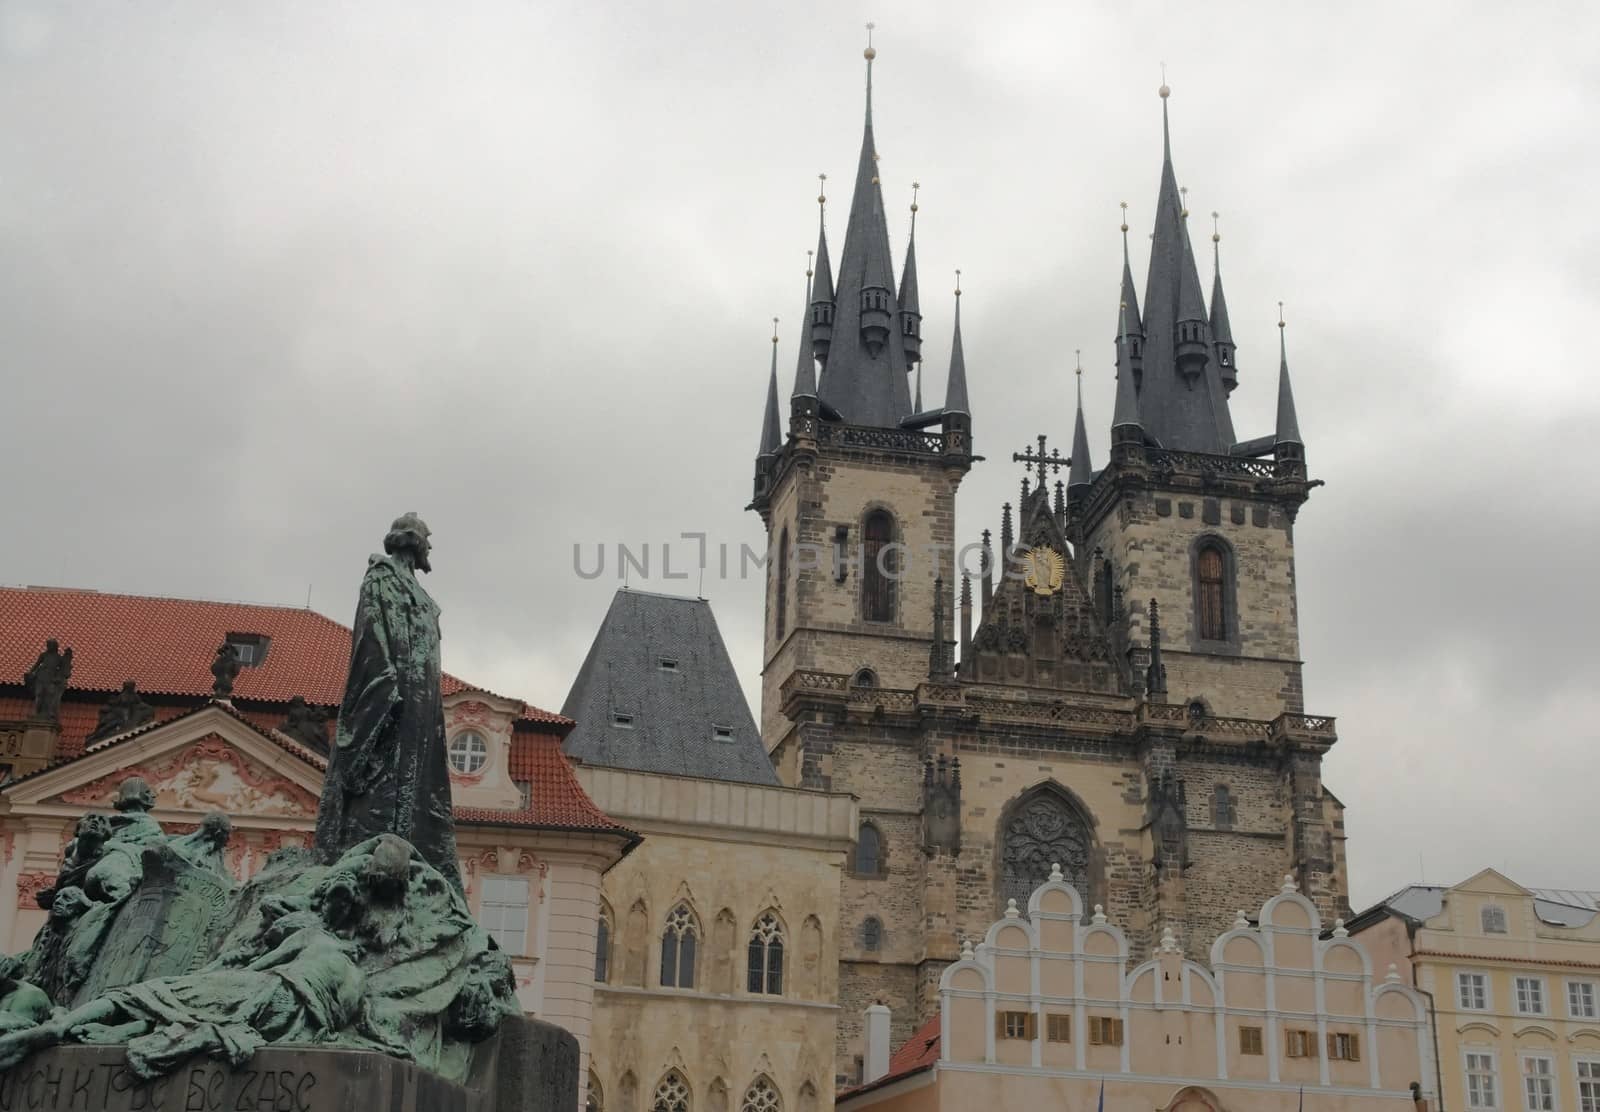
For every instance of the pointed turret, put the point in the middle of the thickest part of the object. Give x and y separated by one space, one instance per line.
1130 299
1081 472
770 442
1155 673
910 310
864 379
955 390
767 453
1127 431
804 397
1288 449
1221 330
1182 401
820 298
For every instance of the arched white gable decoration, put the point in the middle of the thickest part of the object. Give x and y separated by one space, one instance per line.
1280 974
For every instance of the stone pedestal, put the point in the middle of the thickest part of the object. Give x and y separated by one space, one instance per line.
529 1066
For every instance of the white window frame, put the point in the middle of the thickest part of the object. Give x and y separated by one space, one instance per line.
504 911
1492 1056
1549 1075
1488 997
467 752
1592 1104
1517 983
1593 1009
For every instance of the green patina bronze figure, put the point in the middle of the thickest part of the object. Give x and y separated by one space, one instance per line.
388 772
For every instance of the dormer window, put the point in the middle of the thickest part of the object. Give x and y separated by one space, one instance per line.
668 664
1494 919
722 733
468 752
622 721
251 647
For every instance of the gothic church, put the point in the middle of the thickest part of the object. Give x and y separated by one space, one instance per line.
1123 697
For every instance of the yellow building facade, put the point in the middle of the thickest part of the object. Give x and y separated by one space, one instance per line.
1514 977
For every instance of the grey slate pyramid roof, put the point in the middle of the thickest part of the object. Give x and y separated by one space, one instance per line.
673 713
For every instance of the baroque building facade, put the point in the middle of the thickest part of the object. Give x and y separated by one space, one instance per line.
1123 696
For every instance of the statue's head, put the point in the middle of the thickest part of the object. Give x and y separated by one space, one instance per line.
134 795
129 688
386 873
338 899
91 833
52 646
216 828
410 534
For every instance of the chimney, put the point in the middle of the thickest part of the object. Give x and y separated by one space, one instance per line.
877 1058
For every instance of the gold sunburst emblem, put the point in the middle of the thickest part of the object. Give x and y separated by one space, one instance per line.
1043 570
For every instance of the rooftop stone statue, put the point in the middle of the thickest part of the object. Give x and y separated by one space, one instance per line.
46 681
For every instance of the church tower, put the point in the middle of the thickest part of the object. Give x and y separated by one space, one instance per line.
1122 708
859 502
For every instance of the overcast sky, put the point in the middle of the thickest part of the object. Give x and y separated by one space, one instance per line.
271 274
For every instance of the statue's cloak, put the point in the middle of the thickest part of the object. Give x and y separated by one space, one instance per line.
388 771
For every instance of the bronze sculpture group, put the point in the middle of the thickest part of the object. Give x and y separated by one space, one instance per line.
365 942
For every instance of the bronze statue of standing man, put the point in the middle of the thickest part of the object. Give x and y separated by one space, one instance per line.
388 772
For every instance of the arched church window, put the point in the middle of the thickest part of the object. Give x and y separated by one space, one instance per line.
864 678
1040 830
677 948
1221 807
765 953
762 1096
780 604
869 851
1211 592
878 567
672 1095
872 934
602 946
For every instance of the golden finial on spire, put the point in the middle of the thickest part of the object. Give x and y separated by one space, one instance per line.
1078 352
1280 314
1216 233
822 189
810 255
1124 217
916 185
870 53
1164 91
774 329
1184 192
958 281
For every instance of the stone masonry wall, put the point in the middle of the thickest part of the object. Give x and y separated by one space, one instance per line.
1150 539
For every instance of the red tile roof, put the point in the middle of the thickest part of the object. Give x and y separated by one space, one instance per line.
166 646
558 800
916 1054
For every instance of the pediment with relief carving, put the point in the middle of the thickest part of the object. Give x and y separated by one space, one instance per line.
206 775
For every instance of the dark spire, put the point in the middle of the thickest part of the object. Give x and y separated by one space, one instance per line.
1288 424
1221 330
910 310
1182 401
1130 300
1005 535
988 573
769 422
1081 473
820 297
864 379
805 371
1155 675
966 614
1125 414
955 390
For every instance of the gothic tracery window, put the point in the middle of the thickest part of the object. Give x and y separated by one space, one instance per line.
1211 592
672 1095
1042 830
872 933
593 1099
878 568
765 953
677 948
762 1096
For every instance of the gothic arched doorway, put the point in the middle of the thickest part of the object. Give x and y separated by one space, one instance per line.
1042 827
1193 1099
